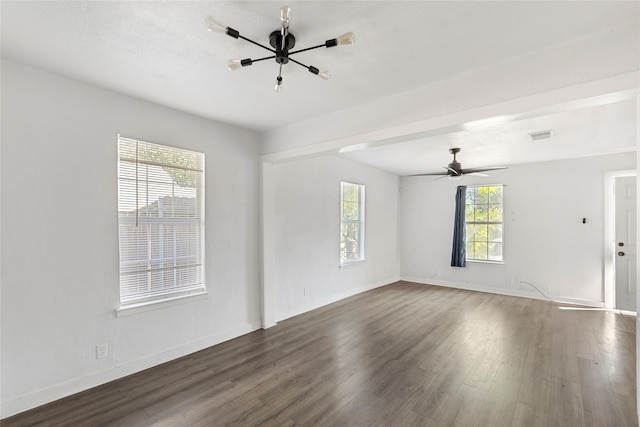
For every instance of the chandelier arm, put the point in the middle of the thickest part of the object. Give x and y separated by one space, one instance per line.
278 87
300 63
284 32
262 59
309 48
256 43
310 68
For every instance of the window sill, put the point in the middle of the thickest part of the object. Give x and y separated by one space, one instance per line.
350 263
479 261
131 309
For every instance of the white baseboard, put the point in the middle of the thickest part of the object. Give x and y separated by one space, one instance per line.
49 394
625 312
503 291
333 298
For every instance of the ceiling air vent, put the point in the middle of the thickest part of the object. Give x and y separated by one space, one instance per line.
537 136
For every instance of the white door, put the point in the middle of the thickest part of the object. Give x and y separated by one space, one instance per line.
625 244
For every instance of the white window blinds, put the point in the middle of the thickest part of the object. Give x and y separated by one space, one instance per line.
161 221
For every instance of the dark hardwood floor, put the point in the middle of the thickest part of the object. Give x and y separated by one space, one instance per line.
401 355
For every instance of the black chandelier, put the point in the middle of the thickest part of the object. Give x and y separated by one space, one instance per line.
281 41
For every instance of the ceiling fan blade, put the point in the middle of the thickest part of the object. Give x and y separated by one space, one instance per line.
430 174
453 171
484 169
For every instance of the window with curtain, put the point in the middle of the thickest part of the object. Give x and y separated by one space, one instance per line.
351 222
483 217
161 221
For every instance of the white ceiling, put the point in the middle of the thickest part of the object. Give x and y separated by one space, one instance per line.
162 52
603 129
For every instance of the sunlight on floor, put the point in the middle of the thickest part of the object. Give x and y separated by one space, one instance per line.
623 312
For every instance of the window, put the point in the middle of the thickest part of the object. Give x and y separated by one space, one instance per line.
161 221
484 223
351 222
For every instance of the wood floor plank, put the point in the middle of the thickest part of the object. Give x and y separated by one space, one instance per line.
526 416
598 397
627 405
498 407
405 354
566 409
463 408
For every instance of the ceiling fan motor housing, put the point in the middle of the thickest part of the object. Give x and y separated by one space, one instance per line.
454 165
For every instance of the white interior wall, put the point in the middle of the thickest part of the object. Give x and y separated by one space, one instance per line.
306 230
545 241
60 241
637 269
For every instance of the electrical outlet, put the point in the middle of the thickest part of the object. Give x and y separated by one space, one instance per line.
305 291
102 350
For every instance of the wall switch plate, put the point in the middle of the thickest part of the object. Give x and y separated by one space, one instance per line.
102 350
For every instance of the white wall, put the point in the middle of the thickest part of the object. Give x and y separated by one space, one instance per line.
60 246
307 225
545 242
637 269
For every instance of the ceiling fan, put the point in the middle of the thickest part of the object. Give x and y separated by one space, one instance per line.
455 171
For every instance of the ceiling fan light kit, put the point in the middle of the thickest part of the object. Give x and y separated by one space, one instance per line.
281 41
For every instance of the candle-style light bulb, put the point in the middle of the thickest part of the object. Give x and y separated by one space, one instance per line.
215 25
285 16
234 64
325 75
347 39
278 87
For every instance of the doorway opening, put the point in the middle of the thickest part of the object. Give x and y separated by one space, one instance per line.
612 252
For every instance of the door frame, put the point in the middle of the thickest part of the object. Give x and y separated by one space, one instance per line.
609 234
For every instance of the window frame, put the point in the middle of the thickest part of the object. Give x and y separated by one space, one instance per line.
360 221
170 291
487 222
